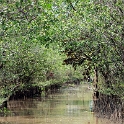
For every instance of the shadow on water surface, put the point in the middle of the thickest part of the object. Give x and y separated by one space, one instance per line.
71 105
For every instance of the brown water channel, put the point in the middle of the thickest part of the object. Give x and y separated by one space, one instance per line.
70 105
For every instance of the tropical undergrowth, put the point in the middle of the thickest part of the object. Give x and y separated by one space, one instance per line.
32 65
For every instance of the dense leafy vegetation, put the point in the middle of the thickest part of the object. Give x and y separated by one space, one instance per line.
35 35
96 41
27 57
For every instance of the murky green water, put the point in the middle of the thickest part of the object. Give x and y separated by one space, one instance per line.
71 105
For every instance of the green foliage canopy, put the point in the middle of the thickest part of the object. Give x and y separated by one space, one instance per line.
90 32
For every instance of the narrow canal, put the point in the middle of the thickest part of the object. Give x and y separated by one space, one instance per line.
72 105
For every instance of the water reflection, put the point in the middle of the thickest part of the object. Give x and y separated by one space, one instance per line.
71 105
